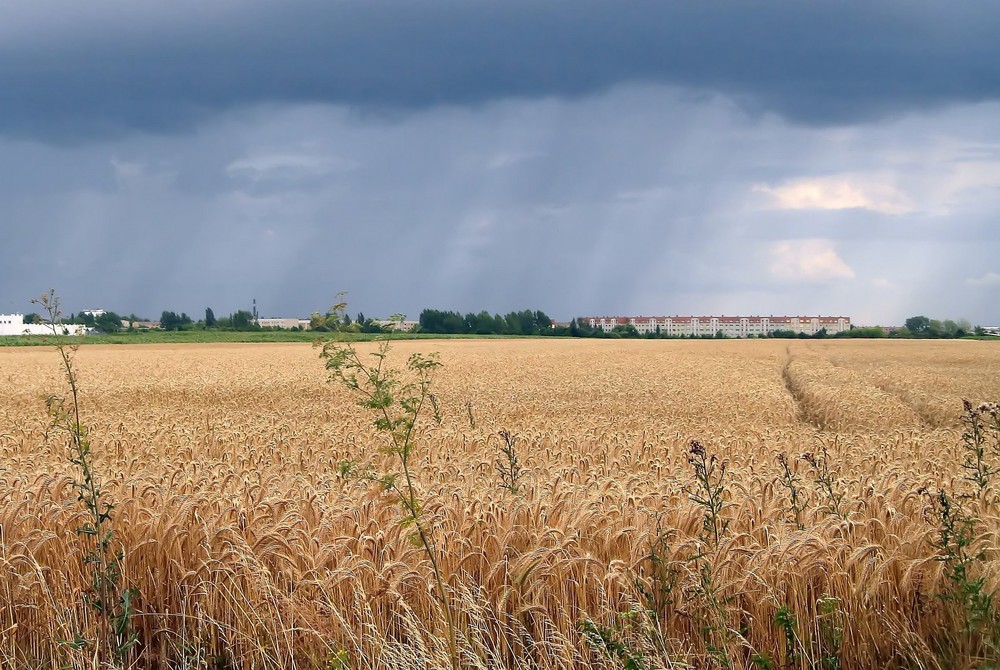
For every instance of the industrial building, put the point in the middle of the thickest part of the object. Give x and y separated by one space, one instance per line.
13 324
284 323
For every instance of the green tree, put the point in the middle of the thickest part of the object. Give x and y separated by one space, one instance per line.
437 321
331 322
174 321
210 320
866 332
242 320
626 330
109 322
170 321
918 326
317 322
542 322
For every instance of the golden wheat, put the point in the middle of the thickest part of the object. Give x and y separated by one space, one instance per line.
248 549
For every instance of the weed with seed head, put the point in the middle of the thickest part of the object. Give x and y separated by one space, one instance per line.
827 482
977 423
113 604
957 550
709 494
791 481
661 575
709 473
508 464
397 405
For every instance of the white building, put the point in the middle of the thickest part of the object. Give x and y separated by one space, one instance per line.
13 324
287 324
398 326
730 326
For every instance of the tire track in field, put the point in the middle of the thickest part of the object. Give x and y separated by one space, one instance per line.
834 398
922 405
798 394
929 418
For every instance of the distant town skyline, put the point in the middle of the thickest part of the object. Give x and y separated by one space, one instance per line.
623 317
572 156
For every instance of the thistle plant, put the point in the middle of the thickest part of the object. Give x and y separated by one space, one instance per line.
106 597
709 494
658 586
397 404
978 422
827 482
957 551
508 464
709 473
791 481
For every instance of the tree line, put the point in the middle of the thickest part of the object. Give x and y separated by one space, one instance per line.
524 322
240 320
111 322
334 320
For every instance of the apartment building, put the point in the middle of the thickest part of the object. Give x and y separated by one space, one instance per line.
730 326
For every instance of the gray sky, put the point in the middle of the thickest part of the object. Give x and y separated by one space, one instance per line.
572 156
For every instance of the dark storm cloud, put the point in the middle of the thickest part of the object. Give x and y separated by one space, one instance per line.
640 200
72 71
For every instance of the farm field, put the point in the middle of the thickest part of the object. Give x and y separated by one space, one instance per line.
249 550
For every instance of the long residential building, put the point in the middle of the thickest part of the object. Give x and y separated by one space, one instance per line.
729 326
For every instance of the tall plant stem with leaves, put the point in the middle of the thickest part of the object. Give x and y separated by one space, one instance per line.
397 404
791 480
827 482
963 562
112 604
508 464
976 423
709 494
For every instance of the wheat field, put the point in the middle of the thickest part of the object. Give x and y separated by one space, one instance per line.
250 551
